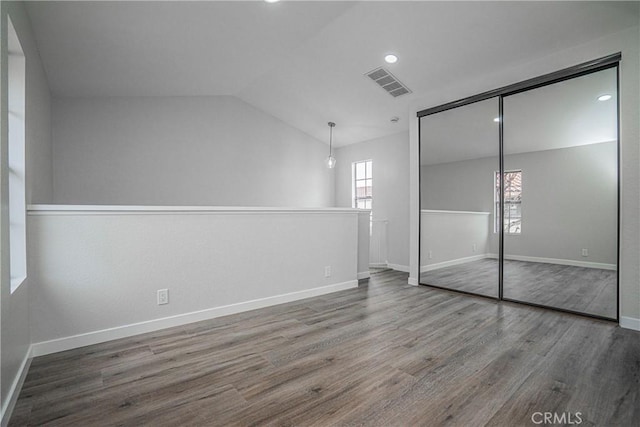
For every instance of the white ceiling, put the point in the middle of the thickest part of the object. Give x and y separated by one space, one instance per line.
562 115
303 62
463 133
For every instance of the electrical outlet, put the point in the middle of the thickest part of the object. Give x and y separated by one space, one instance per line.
163 296
430 255
585 252
474 247
327 271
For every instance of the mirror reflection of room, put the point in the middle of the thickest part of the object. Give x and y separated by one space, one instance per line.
459 157
560 195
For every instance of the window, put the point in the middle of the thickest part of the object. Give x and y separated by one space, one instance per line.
362 189
362 185
512 221
17 199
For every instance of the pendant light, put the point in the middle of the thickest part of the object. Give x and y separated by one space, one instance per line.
330 161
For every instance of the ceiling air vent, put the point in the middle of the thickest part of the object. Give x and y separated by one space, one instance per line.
388 82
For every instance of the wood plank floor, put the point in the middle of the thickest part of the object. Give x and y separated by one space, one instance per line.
384 354
586 290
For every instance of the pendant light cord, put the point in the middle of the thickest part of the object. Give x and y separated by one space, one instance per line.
331 126
330 139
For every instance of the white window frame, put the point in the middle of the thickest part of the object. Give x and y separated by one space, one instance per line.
497 194
354 182
354 192
16 158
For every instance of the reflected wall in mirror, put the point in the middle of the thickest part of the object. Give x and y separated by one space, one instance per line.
561 195
459 158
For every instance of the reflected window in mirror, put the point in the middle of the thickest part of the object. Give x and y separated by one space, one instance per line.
512 222
564 139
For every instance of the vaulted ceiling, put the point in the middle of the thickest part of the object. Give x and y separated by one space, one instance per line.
303 61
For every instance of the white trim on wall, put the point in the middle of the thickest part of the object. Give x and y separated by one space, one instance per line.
148 210
363 275
574 263
378 265
16 387
440 212
96 337
630 323
458 261
396 267
399 267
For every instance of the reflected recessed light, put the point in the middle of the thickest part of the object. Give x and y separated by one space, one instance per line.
604 97
391 58
497 120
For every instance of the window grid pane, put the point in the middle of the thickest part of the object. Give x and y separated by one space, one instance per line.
363 188
512 214
369 174
361 171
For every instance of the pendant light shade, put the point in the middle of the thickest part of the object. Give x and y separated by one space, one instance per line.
330 161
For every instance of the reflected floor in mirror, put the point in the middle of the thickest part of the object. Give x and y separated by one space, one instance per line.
478 277
586 290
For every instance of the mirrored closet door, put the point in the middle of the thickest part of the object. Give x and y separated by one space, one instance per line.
459 162
519 192
560 217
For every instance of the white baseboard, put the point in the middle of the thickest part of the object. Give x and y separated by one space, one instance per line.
558 261
378 265
630 323
12 396
399 267
363 275
574 263
452 262
413 281
96 337
571 262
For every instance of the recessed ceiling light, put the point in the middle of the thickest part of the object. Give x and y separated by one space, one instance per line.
497 120
272 1
604 97
391 58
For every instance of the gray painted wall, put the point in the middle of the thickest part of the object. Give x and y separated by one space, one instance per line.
14 309
183 151
390 157
569 199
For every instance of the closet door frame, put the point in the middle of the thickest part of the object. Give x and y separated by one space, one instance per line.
604 63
